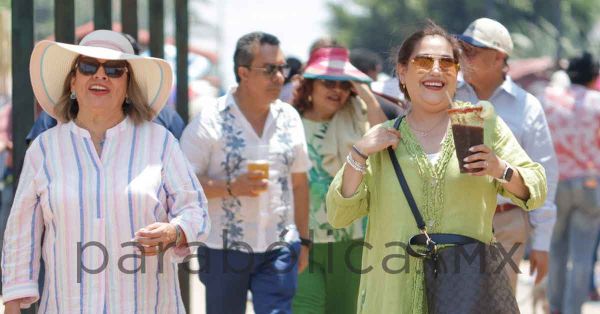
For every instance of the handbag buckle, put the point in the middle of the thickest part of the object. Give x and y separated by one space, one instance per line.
430 244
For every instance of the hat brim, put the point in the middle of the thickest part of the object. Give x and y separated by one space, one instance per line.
336 70
472 41
51 62
336 77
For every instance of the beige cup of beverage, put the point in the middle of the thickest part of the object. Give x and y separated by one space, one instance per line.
258 160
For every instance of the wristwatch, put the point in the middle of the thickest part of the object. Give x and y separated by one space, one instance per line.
507 174
306 242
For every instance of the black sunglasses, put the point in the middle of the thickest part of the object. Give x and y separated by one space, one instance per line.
113 69
272 69
343 85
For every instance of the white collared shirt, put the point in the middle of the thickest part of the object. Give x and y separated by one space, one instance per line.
216 144
524 115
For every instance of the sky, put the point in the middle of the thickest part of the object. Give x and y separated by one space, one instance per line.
297 23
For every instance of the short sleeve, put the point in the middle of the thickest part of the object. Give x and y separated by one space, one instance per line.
196 142
302 161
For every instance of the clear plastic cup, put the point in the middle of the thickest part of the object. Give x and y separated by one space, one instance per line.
258 160
467 129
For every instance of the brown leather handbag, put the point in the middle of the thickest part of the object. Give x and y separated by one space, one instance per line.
463 276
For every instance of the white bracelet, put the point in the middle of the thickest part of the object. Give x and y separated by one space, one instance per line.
355 165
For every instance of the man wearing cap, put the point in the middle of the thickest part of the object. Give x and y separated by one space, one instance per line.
486 47
257 214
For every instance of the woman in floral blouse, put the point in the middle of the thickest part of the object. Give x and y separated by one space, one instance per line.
337 109
450 202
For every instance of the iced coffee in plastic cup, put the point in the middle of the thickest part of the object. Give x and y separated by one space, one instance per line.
258 161
467 129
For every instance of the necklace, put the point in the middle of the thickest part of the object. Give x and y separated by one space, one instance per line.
426 132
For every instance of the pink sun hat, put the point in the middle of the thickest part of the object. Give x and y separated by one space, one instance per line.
333 64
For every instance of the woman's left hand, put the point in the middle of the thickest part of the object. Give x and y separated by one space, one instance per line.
483 158
363 91
156 237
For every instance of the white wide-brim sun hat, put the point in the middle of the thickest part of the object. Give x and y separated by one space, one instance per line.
51 62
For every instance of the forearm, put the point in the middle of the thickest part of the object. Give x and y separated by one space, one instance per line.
301 197
351 178
517 186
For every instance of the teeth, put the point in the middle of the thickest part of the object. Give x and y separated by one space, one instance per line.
433 84
98 87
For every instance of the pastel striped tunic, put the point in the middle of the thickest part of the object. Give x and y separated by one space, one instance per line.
81 202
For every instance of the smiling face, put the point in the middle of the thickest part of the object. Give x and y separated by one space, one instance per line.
329 96
430 84
98 93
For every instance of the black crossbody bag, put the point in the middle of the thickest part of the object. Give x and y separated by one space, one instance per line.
465 276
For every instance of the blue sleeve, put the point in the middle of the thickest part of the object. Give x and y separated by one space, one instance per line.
43 123
171 120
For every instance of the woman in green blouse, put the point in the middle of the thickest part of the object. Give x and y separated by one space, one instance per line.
337 109
450 202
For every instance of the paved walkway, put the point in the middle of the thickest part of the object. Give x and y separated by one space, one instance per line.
524 295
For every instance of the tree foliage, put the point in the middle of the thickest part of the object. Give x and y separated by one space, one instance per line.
535 25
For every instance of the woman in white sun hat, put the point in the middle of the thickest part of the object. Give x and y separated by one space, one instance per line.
111 193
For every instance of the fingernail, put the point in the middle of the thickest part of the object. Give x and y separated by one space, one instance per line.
471 149
466 159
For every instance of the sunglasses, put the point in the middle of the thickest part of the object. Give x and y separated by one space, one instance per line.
113 69
343 85
427 62
272 69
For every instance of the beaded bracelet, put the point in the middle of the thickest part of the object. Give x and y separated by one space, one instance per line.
355 165
361 154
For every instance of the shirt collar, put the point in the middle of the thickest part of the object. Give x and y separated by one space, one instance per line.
123 125
507 86
228 101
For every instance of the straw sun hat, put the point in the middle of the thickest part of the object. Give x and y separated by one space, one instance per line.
51 62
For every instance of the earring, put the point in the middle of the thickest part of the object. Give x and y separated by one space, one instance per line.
403 86
309 98
73 96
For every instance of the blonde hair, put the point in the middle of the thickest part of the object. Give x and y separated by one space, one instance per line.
135 105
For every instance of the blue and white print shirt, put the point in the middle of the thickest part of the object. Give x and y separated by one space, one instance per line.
217 141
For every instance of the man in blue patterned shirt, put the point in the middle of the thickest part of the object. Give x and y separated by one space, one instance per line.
259 217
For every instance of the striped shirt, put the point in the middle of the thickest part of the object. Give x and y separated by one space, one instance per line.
84 203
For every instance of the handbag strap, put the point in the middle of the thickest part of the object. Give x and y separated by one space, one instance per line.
409 197
422 239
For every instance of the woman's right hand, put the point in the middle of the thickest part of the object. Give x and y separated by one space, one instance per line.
12 307
377 139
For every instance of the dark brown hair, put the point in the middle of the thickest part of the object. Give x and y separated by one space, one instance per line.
408 46
301 95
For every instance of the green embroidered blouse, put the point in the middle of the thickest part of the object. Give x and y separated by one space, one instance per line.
319 180
450 202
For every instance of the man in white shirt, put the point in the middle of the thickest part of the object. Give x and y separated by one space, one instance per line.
258 214
486 47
